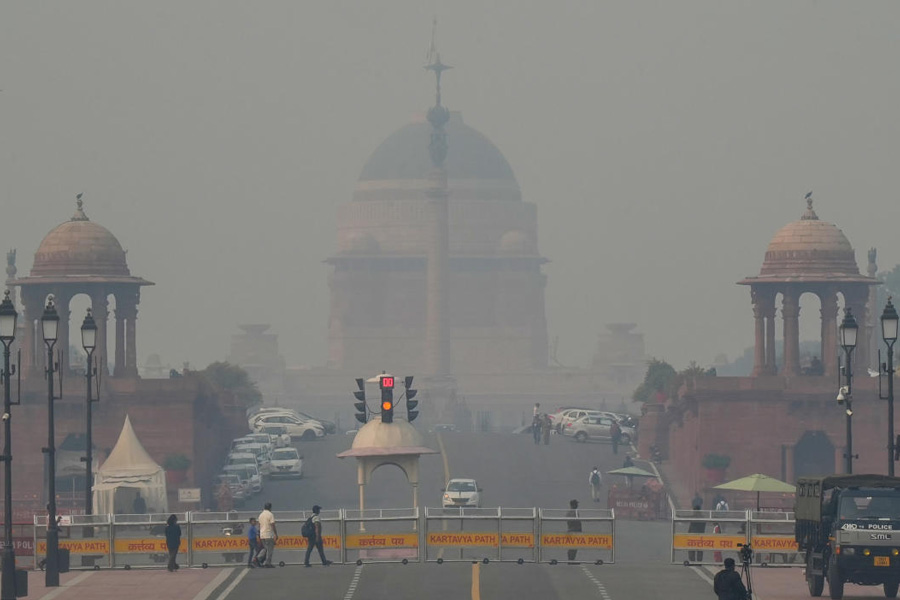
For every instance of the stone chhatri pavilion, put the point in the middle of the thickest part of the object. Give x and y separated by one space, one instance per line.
81 257
783 422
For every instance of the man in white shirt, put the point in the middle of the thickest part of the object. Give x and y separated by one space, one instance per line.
268 535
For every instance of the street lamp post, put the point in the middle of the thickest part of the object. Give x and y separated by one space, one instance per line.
89 343
8 316
849 330
50 330
889 323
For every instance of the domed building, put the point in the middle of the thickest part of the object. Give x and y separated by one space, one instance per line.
494 285
82 257
806 256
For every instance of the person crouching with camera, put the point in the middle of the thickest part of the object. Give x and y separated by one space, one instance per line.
728 584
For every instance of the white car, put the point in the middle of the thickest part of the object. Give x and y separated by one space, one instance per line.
246 472
262 453
461 492
286 462
296 428
239 491
252 419
278 435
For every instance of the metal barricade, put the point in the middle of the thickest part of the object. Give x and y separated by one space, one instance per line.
462 534
577 536
772 540
86 537
291 546
381 535
219 538
140 540
707 537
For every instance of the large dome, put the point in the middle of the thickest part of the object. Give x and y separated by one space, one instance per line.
809 247
79 247
475 167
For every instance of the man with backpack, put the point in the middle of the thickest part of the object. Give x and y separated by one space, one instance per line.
595 479
312 531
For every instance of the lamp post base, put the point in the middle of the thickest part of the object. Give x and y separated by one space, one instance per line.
51 576
8 584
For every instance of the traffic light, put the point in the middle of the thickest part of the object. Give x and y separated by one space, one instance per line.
387 398
360 403
411 412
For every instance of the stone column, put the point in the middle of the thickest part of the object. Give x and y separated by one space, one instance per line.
771 362
829 314
61 348
119 365
131 344
790 313
100 309
759 347
856 300
30 344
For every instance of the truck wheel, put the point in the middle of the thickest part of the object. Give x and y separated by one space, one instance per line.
835 581
890 589
816 585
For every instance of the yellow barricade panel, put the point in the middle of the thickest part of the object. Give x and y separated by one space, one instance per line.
78 546
577 540
518 540
462 539
774 543
144 545
694 542
382 540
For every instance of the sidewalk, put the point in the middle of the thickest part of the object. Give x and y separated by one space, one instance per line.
790 584
134 584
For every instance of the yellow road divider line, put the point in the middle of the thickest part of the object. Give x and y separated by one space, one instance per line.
476 581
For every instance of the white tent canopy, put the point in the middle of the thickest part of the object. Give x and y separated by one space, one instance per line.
129 470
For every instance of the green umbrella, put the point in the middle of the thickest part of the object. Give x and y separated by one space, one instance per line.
758 483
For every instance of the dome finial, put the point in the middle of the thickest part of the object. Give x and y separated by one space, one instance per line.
79 209
810 214
437 114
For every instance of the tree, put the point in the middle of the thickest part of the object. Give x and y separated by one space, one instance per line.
234 379
891 281
657 380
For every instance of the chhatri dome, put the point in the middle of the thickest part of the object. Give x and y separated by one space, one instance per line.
809 250
80 247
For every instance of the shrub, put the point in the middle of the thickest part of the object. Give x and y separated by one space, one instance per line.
176 462
716 461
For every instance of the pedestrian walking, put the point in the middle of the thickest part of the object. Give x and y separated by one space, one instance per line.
696 527
173 541
573 525
536 425
537 409
595 479
253 543
315 540
268 534
546 426
727 584
615 432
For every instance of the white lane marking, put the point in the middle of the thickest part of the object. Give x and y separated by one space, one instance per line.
71 583
600 587
353 583
231 586
702 575
210 587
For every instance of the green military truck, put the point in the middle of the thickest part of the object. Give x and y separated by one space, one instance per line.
849 527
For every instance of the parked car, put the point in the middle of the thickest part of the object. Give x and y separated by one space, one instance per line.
560 419
296 428
461 492
330 427
592 427
246 472
278 435
287 462
262 453
236 488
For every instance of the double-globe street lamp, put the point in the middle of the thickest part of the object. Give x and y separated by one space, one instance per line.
50 331
89 343
849 330
889 323
8 316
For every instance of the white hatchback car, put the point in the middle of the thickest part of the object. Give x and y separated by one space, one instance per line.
286 462
461 492
296 428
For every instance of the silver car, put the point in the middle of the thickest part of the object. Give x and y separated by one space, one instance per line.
592 427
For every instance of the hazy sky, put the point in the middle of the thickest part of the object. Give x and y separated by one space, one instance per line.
664 143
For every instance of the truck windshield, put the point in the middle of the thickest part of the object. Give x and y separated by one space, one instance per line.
870 507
